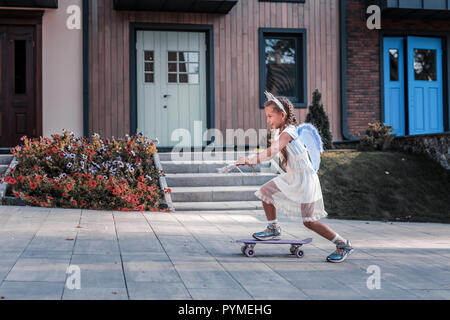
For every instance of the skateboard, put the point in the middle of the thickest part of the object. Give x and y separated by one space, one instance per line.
248 248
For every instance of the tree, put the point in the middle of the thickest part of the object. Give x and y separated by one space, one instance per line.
317 117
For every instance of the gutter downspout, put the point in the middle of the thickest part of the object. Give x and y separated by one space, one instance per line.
86 68
343 67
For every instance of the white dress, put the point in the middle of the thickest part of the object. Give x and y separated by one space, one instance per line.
296 193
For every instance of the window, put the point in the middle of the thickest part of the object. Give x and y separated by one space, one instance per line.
425 64
183 67
393 59
149 65
283 64
20 66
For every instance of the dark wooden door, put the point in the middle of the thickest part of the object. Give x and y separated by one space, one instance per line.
17 84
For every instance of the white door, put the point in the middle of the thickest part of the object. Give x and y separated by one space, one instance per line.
171 90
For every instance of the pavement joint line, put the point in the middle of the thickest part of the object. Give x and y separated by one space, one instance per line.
165 251
25 248
121 258
73 252
213 256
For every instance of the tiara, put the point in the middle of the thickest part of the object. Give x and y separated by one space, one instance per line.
271 97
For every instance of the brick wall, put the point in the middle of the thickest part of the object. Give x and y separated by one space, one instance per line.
363 62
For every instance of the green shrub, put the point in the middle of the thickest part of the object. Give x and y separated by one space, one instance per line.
377 137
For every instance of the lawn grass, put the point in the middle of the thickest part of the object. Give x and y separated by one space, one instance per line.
355 186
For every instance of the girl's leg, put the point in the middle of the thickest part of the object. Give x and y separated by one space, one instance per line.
271 212
318 227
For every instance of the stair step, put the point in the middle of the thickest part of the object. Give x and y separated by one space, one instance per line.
221 193
207 166
5 159
217 179
189 156
218 205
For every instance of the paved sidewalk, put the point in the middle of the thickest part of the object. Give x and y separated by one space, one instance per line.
193 256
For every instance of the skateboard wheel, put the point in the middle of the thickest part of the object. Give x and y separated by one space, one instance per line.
243 249
299 253
249 252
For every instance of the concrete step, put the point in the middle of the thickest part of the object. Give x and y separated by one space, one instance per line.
3 168
200 156
5 158
218 205
221 193
217 179
207 166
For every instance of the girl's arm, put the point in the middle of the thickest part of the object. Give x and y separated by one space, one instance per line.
271 152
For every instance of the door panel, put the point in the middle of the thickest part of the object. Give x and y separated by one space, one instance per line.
394 85
425 98
17 97
172 92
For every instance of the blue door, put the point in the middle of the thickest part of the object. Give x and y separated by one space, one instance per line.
425 101
394 85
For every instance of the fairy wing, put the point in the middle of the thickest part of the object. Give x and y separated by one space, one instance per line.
310 136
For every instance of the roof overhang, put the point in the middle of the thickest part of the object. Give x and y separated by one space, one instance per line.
200 6
413 9
51 4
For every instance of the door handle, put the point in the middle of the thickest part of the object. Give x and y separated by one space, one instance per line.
165 107
166 95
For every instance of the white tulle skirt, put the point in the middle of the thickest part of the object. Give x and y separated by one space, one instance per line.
296 193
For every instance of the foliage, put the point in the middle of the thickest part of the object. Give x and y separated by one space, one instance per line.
377 137
77 173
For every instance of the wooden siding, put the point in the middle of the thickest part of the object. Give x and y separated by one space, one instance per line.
236 70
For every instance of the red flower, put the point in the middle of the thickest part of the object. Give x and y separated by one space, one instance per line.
100 178
16 194
38 179
54 150
74 202
20 179
48 153
58 186
33 185
92 183
65 195
83 203
69 187
140 208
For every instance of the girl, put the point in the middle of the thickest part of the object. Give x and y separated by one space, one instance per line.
298 190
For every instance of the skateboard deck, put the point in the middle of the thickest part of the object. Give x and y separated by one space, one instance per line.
248 248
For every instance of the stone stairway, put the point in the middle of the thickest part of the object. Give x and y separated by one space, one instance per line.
5 161
196 185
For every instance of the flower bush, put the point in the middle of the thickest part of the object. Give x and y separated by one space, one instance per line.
69 172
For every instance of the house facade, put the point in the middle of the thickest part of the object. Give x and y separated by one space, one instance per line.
398 74
41 70
154 66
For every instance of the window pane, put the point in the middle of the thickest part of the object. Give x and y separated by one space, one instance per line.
182 67
172 56
193 67
149 77
172 77
193 78
182 56
281 66
193 56
148 66
149 55
183 78
393 57
20 68
425 64
172 67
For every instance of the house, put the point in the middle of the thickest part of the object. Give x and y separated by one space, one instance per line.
398 74
117 67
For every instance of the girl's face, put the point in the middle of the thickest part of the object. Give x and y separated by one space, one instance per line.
274 119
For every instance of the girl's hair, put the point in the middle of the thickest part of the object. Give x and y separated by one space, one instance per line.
290 118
